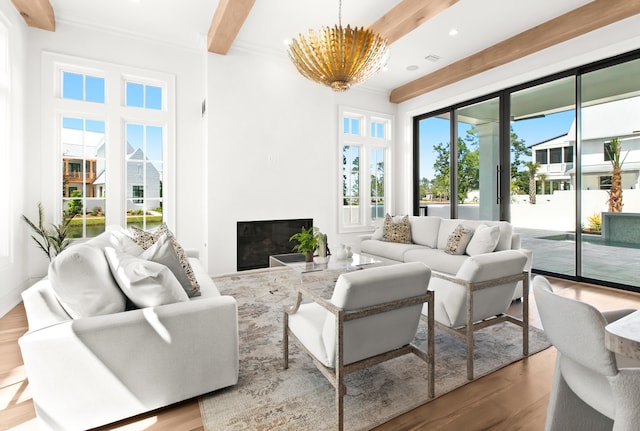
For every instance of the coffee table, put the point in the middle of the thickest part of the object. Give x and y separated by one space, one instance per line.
297 262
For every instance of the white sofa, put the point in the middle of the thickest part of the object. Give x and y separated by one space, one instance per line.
429 235
88 371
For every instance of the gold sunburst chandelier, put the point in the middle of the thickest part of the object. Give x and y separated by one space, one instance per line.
339 57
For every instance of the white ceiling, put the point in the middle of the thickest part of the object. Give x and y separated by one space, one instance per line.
481 23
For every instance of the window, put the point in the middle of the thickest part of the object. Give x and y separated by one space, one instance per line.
114 132
605 182
365 148
541 157
568 155
555 155
138 194
607 152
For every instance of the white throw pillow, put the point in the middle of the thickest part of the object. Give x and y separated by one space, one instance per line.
82 282
163 251
458 240
484 240
146 283
146 239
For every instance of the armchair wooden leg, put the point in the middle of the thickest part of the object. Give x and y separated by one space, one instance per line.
525 316
285 342
340 404
469 331
431 334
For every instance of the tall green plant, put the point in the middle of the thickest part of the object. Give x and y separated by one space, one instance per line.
615 193
53 240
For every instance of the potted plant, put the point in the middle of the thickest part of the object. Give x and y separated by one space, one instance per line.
51 240
307 242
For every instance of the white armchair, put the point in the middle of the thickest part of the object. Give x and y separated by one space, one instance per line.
372 317
592 389
479 295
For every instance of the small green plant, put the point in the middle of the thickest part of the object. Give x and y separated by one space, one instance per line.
51 240
307 240
595 222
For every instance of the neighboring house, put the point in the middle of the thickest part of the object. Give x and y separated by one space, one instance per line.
601 122
88 148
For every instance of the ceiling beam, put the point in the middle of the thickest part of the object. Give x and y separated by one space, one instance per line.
577 22
226 23
408 15
37 13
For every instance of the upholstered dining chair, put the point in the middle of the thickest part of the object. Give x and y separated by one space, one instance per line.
479 295
372 316
592 388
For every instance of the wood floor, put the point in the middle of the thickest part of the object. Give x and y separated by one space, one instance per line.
513 398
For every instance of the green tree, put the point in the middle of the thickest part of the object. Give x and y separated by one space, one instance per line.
440 183
74 206
615 192
519 174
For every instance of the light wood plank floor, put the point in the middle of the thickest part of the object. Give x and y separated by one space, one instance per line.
513 398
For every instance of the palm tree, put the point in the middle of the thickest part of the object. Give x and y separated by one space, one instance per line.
615 193
532 167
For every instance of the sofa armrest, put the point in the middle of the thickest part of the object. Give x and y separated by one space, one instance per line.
365 237
119 365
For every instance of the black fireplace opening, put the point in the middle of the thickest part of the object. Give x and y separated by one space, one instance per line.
257 240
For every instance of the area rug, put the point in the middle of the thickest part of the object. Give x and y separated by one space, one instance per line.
267 397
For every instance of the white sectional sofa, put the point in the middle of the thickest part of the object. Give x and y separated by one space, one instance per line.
474 283
109 364
429 235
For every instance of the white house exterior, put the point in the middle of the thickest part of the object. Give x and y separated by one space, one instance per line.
600 123
85 148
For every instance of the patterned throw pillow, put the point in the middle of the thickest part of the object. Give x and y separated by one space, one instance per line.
458 240
396 231
146 239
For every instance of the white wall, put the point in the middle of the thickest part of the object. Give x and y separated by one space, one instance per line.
606 42
273 151
14 273
184 63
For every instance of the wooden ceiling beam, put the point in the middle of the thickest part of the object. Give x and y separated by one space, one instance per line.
36 13
577 22
408 15
226 24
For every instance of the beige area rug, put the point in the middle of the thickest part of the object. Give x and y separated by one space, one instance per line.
301 398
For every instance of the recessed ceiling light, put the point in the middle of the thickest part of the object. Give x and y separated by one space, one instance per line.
412 68
287 42
453 32
432 58
385 68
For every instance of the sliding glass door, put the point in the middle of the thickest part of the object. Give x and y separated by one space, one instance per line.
433 158
543 136
558 157
609 173
461 180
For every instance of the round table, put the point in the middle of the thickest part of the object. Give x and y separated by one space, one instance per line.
623 336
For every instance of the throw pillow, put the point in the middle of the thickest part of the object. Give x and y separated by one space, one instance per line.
146 283
459 239
163 252
396 231
146 239
484 240
82 282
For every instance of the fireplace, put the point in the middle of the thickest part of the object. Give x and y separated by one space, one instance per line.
257 240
